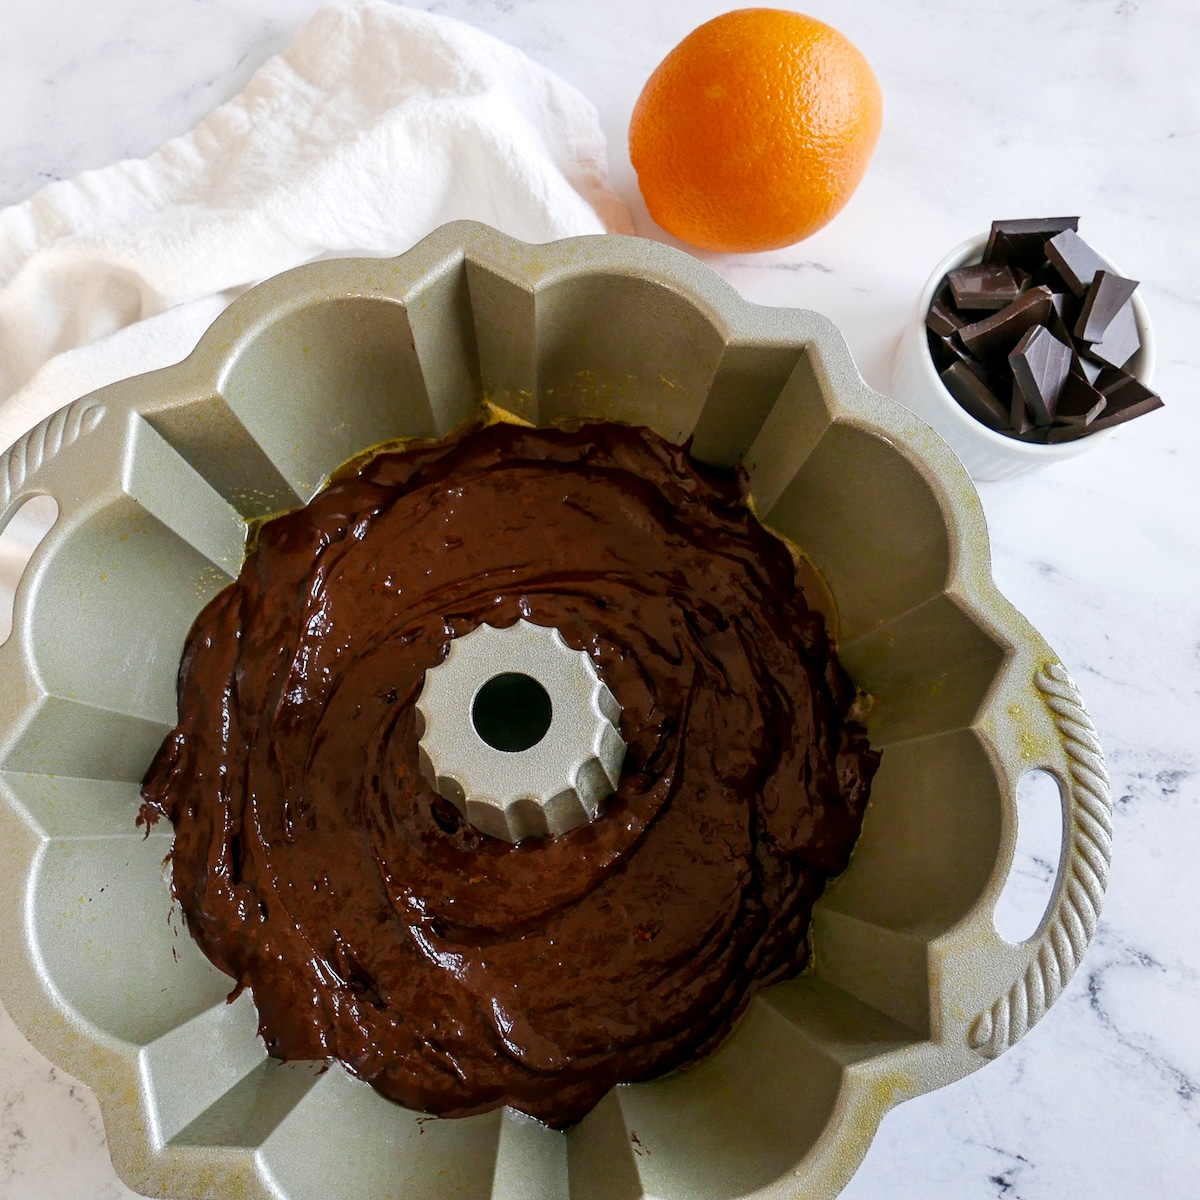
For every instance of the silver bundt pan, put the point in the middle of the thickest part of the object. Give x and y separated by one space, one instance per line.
156 477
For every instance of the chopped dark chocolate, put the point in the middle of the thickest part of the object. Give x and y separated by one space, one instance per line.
1019 420
1039 434
1121 339
1087 368
1118 416
989 286
1109 418
1055 351
948 350
1047 276
1125 398
1080 403
1064 314
1074 260
942 320
1122 389
1066 433
1040 365
956 352
1106 296
1007 325
1022 243
975 396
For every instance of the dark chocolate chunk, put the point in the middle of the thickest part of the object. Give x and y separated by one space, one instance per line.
975 396
944 296
1055 350
1125 398
1040 364
1121 389
1021 243
1080 402
1064 314
956 352
1074 260
987 286
1118 416
942 320
1106 296
1039 434
1007 325
1047 276
1111 415
1066 433
949 350
1121 339
1087 368
1019 420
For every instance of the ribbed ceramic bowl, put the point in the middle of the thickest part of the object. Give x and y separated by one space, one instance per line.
985 453
155 478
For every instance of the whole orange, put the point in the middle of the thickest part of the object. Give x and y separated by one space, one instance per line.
755 130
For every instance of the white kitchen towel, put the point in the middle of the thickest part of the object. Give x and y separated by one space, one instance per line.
377 125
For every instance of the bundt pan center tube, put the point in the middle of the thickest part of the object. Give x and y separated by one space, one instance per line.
510 782
157 479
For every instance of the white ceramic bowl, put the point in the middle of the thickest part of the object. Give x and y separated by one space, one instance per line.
985 453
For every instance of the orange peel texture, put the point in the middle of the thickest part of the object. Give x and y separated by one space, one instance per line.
755 130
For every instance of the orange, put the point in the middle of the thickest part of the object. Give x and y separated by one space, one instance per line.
755 130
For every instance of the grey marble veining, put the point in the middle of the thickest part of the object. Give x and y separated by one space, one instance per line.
1017 108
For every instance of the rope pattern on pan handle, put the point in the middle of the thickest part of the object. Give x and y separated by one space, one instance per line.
42 443
1071 924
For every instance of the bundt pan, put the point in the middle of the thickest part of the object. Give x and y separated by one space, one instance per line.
155 478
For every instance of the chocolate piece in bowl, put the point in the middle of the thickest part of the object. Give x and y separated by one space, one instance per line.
1047 276
966 386
1019 420
1063 315
1080 402
1120 342
1118 415
1006 326
942 320
1107 295
1074 261
949 350
1022 243
1125 393
985 286
1040 365
1125 398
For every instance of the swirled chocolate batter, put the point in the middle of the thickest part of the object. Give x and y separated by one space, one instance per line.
453 971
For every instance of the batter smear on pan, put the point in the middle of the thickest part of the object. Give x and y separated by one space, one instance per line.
452 971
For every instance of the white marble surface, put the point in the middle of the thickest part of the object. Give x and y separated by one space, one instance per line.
1016 108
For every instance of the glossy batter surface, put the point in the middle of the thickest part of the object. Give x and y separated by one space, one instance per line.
452 971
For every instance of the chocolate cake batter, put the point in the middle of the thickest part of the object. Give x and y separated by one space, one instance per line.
453 971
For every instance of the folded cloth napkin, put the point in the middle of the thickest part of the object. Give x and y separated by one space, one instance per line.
377 125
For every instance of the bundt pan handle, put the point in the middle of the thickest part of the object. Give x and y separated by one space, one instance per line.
27 463
30 468
1049 730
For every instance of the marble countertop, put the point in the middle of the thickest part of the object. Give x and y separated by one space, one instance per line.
1017 108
